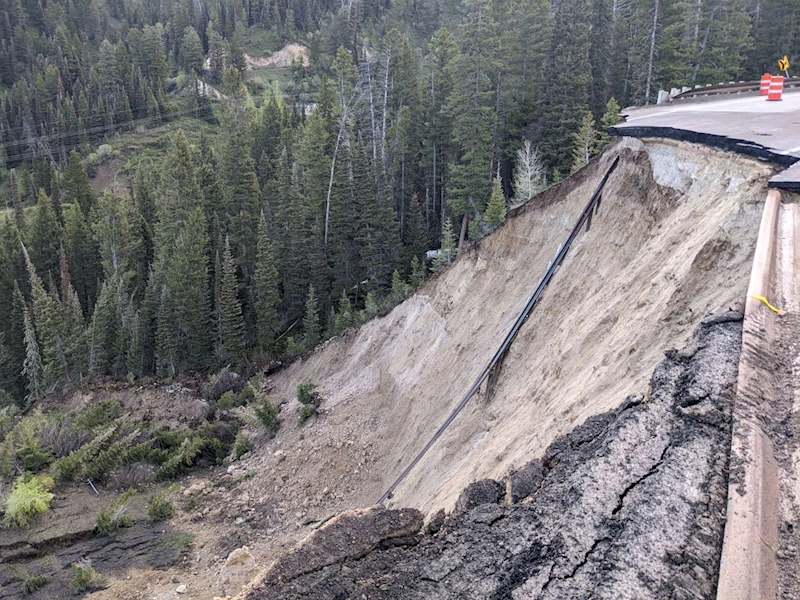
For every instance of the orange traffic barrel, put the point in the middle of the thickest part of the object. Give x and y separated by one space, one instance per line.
775 88
766 79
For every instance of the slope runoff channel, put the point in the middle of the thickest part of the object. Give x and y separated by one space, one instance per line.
672 242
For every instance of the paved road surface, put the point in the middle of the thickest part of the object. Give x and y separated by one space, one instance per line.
747 124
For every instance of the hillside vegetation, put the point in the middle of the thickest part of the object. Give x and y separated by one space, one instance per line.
306 206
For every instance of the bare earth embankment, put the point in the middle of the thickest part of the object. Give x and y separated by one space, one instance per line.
672 243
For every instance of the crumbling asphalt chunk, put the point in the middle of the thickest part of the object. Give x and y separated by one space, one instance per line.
630 505
484 491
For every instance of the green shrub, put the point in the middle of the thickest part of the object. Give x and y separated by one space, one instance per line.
227 401
182 459
29 496
73 465
34 584
293 347
8 419
160 506
308 411
242 445
114 516
267 415
32 455
246 396
307 394
85 578
98 414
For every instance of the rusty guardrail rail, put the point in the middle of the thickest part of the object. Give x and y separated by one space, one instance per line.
561 253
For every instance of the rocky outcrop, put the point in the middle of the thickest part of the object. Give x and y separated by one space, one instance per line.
629 505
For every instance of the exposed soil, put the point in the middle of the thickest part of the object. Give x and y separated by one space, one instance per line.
282 59
629 505
673 241
66 534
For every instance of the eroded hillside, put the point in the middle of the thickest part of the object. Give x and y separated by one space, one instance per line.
671 243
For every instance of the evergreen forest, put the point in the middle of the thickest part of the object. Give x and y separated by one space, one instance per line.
276 216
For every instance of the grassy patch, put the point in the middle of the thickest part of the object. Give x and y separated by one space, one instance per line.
30 496
176 541
85 578
160 506
258 42
34 584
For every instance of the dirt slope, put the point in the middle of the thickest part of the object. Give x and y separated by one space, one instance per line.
672 242
630 505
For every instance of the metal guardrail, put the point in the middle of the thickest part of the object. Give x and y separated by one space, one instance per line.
561 253
734 87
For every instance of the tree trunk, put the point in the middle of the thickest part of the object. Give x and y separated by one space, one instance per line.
463 235
652 55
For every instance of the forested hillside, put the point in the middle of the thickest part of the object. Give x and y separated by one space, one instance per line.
291 214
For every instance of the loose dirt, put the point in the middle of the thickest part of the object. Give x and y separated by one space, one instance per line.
282 59
671 243
629 505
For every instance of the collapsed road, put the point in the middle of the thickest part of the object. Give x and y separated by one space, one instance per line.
631 504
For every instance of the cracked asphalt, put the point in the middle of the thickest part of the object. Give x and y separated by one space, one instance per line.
629 505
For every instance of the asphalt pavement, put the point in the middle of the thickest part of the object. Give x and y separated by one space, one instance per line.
745 123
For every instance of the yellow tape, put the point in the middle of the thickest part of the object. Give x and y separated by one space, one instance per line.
769 306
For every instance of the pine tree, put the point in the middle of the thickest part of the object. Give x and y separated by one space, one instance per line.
474 118
45 237
15 342
230 310
399 287
191 52
184 316
32 368
105 330
417 273
240 192
48 322
83 258
265 289
496 209
77 188
74 327
311 322
610 118
585 143
116 236
16 200
447 251
344 318
568 74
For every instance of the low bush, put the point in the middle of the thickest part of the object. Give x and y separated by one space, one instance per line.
34 584
29 496
308 411
114 516
307 394
98 414
267 415
130 476
160 506
227 401
85 578
181 460
247 395
242 445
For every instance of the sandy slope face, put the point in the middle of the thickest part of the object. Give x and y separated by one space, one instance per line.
672 242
